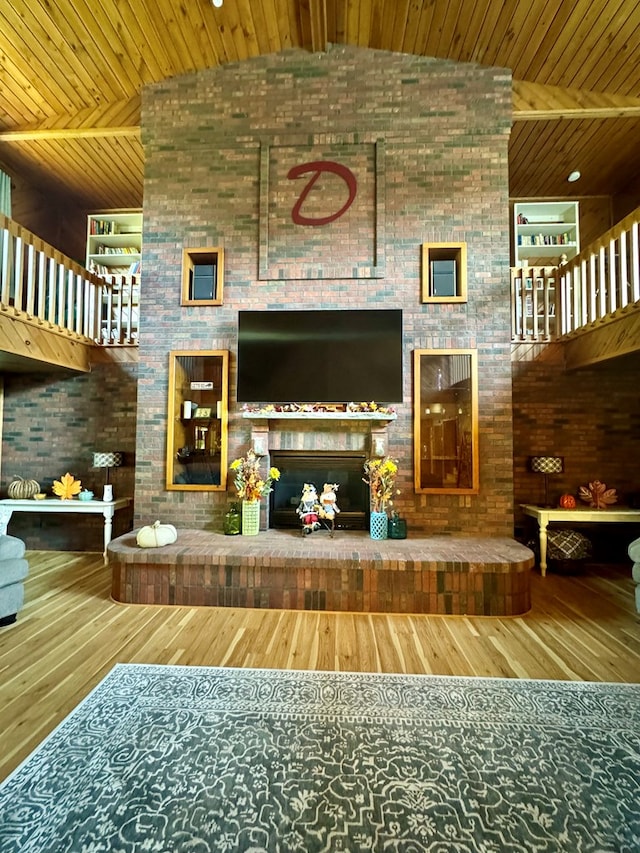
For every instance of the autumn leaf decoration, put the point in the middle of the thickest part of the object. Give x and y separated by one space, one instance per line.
597 495
66 487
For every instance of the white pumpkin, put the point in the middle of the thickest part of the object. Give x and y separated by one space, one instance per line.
156 535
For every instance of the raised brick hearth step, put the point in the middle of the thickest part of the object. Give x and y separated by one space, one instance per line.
351 572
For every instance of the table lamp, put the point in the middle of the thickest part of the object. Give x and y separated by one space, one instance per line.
107 461
547 465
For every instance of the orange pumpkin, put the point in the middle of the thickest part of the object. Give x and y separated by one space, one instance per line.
567 502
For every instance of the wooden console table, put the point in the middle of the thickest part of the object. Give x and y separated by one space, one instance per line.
544 515
105 508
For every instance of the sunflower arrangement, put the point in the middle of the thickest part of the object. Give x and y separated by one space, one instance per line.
380 475
250 484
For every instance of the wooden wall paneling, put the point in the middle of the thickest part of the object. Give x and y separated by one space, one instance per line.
111 67
18 105
153 55
589 59
470 24
595 218
368 25
393 23
528 41
487 39
49 95
268 33
446 27
336 21
621 76
88 56
417 28
29 26
592 29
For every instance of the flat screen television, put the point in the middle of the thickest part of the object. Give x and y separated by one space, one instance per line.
333 356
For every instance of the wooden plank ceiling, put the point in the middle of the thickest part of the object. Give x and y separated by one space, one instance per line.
72 72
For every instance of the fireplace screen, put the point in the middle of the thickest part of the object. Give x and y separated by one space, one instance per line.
317 467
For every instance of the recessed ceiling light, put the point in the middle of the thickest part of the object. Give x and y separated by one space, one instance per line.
574 176
217 3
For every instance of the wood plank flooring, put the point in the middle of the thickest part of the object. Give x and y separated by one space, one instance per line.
70 633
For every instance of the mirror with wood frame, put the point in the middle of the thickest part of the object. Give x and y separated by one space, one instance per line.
445 413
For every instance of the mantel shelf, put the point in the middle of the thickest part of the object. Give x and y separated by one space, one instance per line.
319 416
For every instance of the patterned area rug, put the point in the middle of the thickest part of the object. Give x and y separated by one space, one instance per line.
170 759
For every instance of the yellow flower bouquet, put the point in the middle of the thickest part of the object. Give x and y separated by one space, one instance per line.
380 475
249 482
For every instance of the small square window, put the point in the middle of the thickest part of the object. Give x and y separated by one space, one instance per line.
202 276
444 272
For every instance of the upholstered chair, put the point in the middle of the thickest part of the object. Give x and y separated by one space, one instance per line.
13 570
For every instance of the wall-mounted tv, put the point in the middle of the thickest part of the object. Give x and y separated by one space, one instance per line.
333 356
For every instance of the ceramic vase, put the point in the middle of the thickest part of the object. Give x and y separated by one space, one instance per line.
378 525
250 518
397 527
232 521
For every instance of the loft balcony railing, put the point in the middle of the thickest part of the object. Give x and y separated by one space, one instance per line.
598 285
40 285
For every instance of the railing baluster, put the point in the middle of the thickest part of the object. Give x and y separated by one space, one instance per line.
5 268
624 276
635 263
611 278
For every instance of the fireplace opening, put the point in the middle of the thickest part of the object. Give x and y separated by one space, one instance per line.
299 467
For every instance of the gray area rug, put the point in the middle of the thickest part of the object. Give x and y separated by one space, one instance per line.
169 759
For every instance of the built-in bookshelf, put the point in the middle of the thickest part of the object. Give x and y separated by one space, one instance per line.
544 232
114 242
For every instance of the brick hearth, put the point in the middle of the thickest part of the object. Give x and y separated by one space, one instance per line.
351 572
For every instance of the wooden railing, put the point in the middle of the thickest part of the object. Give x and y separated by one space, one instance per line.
548 303
40 285
603 279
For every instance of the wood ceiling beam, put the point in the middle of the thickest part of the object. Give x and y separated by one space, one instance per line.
531 102
119 118
536 102
67 133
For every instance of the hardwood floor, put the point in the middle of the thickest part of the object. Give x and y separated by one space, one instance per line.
70 634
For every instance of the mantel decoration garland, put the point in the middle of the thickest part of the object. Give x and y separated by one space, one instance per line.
271 408
380 475
249 482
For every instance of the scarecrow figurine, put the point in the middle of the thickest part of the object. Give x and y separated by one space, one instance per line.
308 509
328 506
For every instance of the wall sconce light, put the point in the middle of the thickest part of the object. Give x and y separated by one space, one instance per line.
547 465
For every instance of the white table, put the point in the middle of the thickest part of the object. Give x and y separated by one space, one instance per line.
544 515
105 508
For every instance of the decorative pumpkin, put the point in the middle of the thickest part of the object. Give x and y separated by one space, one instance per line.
66 487
568 502
156 535
21 489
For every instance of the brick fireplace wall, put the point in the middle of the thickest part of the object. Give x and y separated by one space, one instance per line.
431 138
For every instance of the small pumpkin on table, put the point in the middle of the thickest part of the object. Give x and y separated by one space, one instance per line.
567 502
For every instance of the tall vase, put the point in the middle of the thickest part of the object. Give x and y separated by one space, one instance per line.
250 518
378 524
